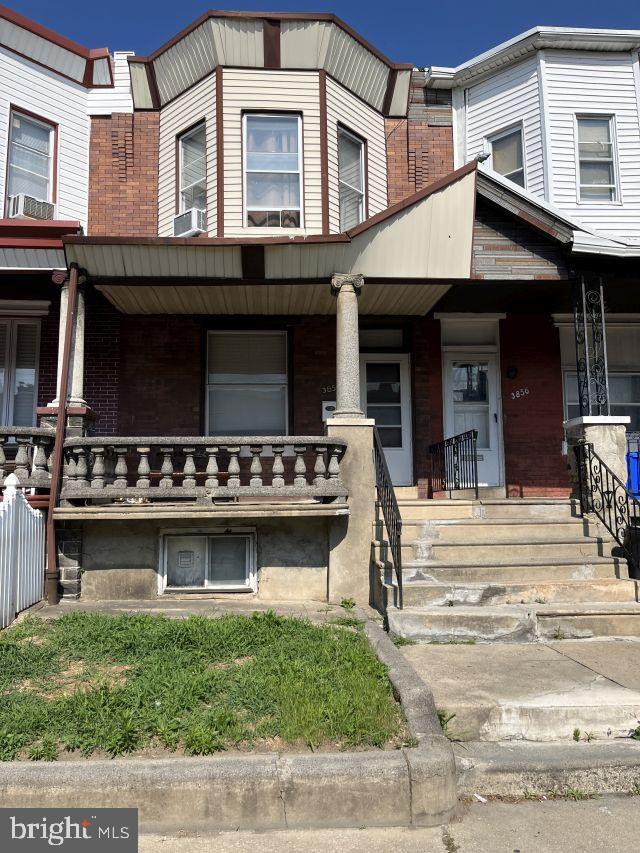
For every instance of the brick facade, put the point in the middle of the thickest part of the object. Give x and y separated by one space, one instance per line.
123 163
426 395
532 407
420 147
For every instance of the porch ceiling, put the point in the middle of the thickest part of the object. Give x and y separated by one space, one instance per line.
408 254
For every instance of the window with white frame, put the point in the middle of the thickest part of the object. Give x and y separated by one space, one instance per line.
19 348
272 170
247 392
596 163
193 168
350 179
31 153
624 396
507 155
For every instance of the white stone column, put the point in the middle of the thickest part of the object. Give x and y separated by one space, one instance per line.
346 288
76 361
607 434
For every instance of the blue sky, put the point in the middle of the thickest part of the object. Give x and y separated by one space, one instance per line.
445 32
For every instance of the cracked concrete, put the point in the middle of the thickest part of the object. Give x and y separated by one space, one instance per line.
534 692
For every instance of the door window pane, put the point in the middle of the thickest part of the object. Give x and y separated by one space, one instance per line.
470 383
273 171
228 563
383 402
507 156
470 388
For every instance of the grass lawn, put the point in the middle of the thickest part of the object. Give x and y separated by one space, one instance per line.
112 685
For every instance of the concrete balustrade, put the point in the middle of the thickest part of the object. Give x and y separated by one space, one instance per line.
166 468
26 452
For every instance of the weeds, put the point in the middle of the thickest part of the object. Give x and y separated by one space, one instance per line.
89 682
348 604
576 794
635 734
403 641
577 734
445 718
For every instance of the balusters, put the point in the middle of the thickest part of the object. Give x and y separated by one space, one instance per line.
70 467
212 468
22 459
144 480
81 467
98 468
122 469
233 481
256 466
166 469
334 464
300 467
189 481
277 480
320 468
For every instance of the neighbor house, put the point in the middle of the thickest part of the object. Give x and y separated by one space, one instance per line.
282 239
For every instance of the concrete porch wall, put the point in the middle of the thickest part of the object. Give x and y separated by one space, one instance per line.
120 559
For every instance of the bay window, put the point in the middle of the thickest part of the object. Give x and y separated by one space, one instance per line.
193 169
350 179
31 154
19 346
507 155
272 170
597 176
247 391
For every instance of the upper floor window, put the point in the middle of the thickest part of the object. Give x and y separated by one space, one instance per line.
595 156
273 171
31 155
350 179
507 155
193 169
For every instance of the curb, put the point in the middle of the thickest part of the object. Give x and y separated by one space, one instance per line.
407 787
524 769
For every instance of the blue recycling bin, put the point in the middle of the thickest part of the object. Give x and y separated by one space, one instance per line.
633 469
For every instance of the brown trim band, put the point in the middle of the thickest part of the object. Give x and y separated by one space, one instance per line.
55 38
271 36
252 262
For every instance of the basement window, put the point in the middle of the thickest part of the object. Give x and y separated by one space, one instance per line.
507 155
223 561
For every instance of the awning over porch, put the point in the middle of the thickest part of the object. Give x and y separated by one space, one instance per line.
408 255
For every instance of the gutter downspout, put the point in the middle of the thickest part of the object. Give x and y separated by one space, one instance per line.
52 572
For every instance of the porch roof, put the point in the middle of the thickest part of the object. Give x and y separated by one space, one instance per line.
419 246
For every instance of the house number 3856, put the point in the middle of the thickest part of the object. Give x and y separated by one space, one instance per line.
521 392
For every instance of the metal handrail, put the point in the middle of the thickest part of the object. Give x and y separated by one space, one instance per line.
390 509
603 493
454 463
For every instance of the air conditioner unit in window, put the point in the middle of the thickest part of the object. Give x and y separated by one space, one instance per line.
24 206
190 223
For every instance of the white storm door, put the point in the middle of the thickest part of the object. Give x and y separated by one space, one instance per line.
385 396
471 401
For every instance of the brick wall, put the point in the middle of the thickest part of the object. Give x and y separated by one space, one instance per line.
123 162
420 147
102 361
532 420
48 365
426 395
313 355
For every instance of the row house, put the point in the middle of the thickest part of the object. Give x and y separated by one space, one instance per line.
265 239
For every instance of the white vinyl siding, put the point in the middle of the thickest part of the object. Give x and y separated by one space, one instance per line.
345 109
501 101
582 84
28 87
117 99
271 91
197 104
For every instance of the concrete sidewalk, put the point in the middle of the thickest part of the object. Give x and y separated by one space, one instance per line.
608 824
534 692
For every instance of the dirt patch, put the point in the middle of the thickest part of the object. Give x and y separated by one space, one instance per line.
33 641
76 675
229 664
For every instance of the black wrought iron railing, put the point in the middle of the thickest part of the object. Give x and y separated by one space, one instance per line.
454 463
388 504
606 496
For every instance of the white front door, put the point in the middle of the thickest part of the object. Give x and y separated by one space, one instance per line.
386 397
472 401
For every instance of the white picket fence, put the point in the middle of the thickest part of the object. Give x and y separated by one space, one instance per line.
22 532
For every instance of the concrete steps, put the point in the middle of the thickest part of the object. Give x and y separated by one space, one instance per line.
499 570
